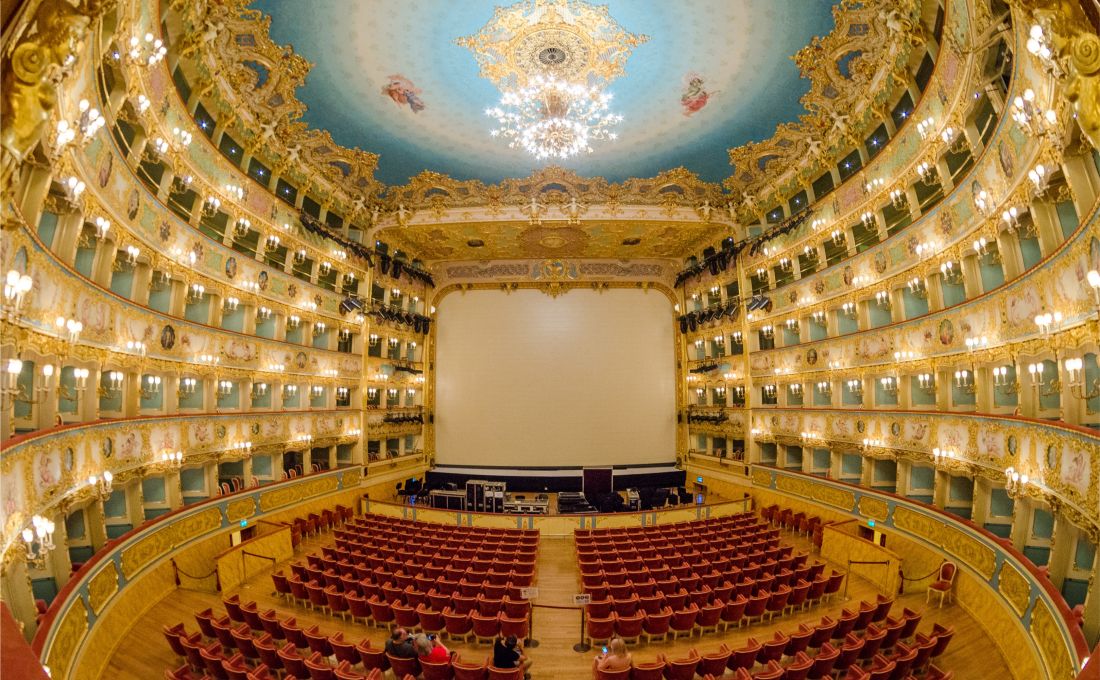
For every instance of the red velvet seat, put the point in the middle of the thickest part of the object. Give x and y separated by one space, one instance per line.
680 669
683 620
710 616
734 612
772 650
402 667
371 658
457 625
485 628
649 670
745 657
824 661
469 671
714 663
657 625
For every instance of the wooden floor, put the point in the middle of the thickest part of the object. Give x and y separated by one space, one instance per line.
972 655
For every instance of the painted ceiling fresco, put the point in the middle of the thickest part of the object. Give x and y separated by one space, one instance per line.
391 78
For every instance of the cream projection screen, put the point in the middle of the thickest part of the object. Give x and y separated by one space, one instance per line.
527 380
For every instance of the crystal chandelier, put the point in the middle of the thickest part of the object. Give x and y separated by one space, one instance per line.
553 118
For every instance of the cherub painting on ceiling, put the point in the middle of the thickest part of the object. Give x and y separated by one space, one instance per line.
695 95
402 91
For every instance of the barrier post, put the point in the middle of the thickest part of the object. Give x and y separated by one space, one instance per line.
582 646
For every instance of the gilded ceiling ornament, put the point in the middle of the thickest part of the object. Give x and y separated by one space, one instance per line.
567 39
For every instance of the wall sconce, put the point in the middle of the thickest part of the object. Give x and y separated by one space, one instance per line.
148 52
16 287
182 183
795 389
319 328
391 393
1047 321
80 377
898 199
299 256
818 317
925 127
792 325
927 382
394 342
235 191
1011 218
848 309
187 385
964 381
736 337
1016 483
86 125
785 264
767 332
250 286
114 381
917 287
1039 382
699 392
317 391
68 329
904 355
242 227
927 173
46 383
954 140
870 443
825 388
769 391
1075 369
271 242
1039 179
171 460
241 446
289 390
211 206
225 388
259 389
196 292
325 268
11 377
150 387
812 435
1000 380
942 456
102 486
39 540
809 253
719 340
342 393
345 334
873 185
838 237
720 392
132 253
817 224
1093 278
277 368
889 385
372 392
208 359
293 320
739 392
882 299
951 274
395 294
855 386
373 339
984 203
868 219
231 303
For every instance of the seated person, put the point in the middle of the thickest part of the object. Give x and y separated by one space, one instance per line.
507 653
400 644
429 648
617 657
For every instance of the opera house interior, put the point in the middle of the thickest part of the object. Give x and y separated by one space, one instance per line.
531 339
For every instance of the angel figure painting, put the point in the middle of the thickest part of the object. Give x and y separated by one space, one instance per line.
695 95
402 91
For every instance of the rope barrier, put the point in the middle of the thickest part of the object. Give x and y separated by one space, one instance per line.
868 562
262 557
177 571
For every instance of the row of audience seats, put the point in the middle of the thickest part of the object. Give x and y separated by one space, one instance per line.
865 648
796 522
461 581
245 644
613 618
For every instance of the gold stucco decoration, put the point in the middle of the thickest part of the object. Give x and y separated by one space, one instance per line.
874 508
1014 587
1052 645
138 556
240 509
102 586
69 634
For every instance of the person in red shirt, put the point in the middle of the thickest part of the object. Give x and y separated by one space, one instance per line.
430 649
